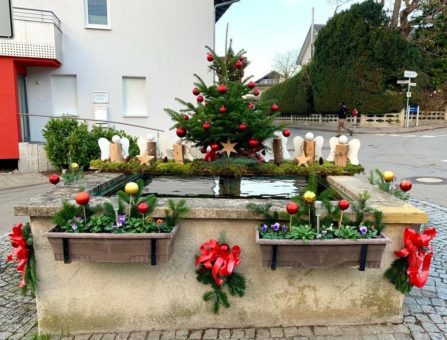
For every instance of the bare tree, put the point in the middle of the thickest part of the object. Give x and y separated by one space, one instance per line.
338 4
395 14
285 63
410 7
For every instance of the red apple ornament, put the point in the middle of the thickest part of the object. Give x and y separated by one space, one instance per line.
54 179
206 125
343 204
199 99
143 207
181 132
251 85
222 89
209 57
185 117
275 107
223 109
251 106
292 208
195 91
286 132
256 92
215 147
253 142
238 64
82 198
243 127
405 185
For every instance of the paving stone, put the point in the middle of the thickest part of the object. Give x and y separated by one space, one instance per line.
438 302
138 336
154 335
400 328
122 336
428 309
96 337
196 335
421 336
109 336
262 333
276 332
224 334
181 333
250 333
430 327
167 335
415 328
402 336
210 334
436 318
66 338
82 337
329 330
436 336
237 333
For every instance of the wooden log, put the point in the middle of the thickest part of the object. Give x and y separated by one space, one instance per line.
277 150
309 150
152 149
341 154
116 153
179 153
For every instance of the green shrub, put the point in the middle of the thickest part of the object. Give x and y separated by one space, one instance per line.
69 141
56 133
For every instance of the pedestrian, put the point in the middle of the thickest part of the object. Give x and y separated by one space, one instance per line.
355 114
342 113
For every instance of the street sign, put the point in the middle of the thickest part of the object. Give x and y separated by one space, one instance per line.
412 84
6 24
405 81
408 94
414 109
410 74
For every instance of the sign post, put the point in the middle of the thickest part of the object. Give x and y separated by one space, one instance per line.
408 74
6 23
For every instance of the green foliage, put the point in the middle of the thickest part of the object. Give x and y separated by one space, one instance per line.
56 133
72 175
397 275
68 141
376 178
174 211
30 268
265 210
294 96
361 208
224 126
301 232
347 233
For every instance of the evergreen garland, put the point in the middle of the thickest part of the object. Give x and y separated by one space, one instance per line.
397 274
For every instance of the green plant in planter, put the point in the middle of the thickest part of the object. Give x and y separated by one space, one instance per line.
376 178
56 133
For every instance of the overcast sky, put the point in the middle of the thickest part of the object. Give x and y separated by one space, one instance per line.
267 27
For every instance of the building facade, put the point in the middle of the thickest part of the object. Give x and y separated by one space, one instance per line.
122 61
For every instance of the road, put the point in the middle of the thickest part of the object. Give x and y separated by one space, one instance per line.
409 156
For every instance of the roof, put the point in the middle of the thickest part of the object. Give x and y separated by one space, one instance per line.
306 43
270 75
221 9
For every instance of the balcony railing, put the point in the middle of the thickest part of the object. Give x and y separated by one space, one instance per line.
37 34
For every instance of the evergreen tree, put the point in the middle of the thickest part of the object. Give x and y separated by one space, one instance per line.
226 111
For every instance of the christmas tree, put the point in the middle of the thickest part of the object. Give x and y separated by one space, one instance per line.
227 119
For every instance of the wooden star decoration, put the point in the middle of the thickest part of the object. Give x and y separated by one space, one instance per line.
145 159
302 160
228 147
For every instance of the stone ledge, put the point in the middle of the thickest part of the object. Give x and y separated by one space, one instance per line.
394 209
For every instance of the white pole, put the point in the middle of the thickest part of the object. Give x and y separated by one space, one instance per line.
407 115
417 116
312 35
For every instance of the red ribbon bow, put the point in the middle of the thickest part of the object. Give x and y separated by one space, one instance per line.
219 258
20 251
419 253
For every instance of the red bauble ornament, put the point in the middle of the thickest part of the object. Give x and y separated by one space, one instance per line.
195 91
239 64
251 84
222 89
185 117
215 147
251 106
54 179
82 198
256 92
292 208
203 149
223 109
243 127
253 142
206 125
143 207
343 204
286 132
199 99
209 57
405 185
275 107
181 132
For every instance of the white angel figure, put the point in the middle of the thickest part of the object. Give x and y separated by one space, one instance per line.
353 151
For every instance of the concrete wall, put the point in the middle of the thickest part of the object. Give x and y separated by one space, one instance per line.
160 40
33 158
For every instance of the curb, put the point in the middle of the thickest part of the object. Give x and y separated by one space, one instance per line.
376 131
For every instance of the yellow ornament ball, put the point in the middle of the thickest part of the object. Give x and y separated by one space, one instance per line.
388 176
74 166
309 197
131 188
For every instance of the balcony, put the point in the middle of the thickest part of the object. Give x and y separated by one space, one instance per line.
37 34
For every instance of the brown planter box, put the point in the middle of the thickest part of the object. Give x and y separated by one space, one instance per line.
104 247
322 253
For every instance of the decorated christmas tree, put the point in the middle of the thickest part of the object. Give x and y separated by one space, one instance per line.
228 118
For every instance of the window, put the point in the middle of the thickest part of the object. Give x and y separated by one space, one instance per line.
134 97
97 14
65 95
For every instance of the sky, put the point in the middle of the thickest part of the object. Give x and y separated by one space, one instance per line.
267 27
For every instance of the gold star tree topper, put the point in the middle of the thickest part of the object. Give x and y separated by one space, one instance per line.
228 147
302 160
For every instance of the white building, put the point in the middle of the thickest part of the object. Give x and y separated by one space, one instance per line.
122 61
307 50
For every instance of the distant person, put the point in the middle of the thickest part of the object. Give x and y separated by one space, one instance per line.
342 113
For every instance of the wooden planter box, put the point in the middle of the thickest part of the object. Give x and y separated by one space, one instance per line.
322 253
104 247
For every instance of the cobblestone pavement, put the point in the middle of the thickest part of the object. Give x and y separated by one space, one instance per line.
425 310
